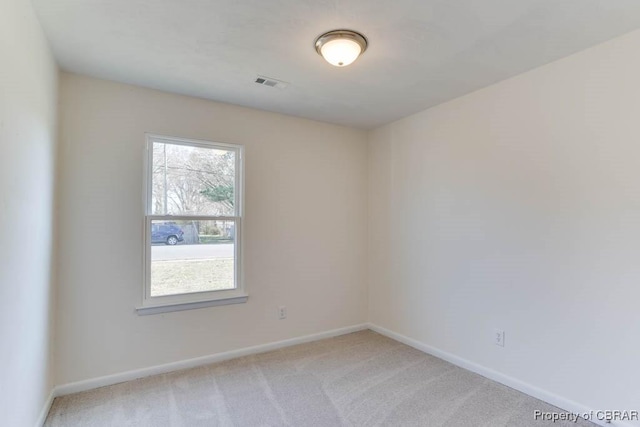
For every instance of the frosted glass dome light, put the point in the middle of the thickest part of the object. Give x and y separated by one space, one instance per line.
340 52
341 47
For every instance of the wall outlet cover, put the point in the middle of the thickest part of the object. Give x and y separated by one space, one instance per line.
282 312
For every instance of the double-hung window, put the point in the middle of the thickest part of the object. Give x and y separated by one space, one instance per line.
193 224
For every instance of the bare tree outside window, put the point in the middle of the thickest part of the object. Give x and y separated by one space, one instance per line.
192 180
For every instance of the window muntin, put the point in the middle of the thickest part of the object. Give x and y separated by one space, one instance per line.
192 221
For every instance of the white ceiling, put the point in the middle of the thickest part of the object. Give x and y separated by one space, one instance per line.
421 52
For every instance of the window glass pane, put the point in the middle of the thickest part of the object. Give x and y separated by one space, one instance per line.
188 180
191 256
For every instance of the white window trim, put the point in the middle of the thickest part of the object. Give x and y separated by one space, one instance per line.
163 304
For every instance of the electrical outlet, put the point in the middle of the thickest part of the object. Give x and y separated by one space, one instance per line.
282 312
498 337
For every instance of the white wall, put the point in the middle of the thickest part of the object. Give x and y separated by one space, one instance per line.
28 88
305 229
518 207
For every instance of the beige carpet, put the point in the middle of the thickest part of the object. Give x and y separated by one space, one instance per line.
360 379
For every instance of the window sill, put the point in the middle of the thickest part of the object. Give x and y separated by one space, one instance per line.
166 308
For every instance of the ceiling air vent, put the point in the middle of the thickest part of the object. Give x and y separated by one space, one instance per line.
268 81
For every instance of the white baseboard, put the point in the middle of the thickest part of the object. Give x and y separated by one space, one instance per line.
531 390
92 383
45 409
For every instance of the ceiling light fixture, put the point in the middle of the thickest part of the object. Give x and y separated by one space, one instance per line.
341 47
